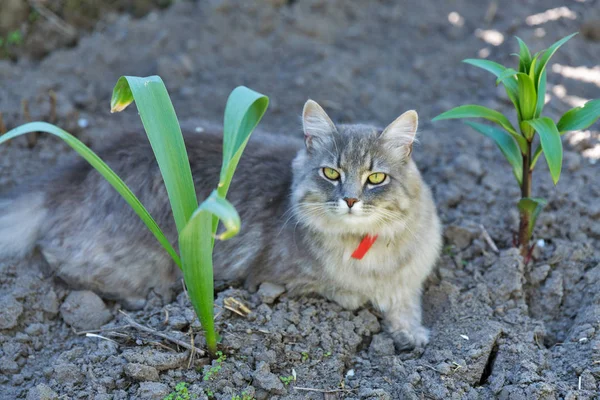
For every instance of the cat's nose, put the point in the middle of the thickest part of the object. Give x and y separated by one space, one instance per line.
350 201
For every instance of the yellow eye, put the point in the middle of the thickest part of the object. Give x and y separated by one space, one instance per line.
331 173
376 178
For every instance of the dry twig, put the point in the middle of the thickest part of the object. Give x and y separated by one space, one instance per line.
59 23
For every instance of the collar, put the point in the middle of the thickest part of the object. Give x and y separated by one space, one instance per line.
364 246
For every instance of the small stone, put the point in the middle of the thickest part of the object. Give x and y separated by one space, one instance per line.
8 366
469 164
269 292
382 345
141 372
84 310
153 391
68 373
41 392
10 311
160 360
462 235
35 329
264 379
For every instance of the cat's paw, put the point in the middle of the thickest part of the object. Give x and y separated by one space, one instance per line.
406 340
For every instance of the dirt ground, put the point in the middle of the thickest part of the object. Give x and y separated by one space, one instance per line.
500 329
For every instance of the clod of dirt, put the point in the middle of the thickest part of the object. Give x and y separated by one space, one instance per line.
462 234
41 392
269 292
382 345
266 380
10 310
153 390
160 360
591 30
84 310
141 372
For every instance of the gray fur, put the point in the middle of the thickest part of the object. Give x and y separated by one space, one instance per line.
295 230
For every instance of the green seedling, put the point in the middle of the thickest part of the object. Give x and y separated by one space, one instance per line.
305 356
327 354
526 88
216 367
196 224
243 396
180 393
287 379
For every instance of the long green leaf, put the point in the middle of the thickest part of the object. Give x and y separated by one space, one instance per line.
196 245
541 95
532 207
536 156
527 96
505 143
497 69
104 170
163 130
524 56
508 73
580 117
243 112
551 144
475 111
546 55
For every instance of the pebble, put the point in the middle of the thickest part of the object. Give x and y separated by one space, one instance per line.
153 391
265 379
141 372
41 392
382 345
84 310
160 360
68 373
10 311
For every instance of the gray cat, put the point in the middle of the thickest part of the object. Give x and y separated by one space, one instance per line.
345 215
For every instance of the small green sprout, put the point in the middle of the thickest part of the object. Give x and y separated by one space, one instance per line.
526 88
287 379
214 369
14 38
180 393
243 396
327 354
305 356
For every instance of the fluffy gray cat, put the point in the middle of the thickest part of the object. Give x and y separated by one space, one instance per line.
345 215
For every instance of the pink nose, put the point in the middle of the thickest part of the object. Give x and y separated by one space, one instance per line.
350 201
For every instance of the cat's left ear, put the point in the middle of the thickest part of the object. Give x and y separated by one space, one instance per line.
400 134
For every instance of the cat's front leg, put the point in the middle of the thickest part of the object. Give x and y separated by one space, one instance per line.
403 319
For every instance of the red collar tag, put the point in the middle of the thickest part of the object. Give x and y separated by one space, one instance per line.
364 246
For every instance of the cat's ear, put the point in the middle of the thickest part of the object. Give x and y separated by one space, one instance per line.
400 134
318 127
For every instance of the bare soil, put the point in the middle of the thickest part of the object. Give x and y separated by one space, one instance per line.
500 329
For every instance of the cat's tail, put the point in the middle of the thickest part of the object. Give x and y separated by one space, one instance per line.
21 218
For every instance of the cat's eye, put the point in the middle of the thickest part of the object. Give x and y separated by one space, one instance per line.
331 173
376 178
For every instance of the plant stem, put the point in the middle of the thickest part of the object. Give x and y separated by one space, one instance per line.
524 236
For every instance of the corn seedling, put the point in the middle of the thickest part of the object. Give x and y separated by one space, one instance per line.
196 224
526 88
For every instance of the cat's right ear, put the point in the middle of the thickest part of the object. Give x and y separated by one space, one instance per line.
318 127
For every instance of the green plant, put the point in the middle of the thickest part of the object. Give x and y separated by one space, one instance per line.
216 367
14 38
305 356
243 396
180 393
287 379
196 224
526 88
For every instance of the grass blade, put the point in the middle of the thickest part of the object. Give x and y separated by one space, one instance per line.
104 170
580 117
196 245
551 144
532 207
505 143
163 130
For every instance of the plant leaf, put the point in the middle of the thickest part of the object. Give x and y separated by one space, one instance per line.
532 207
527 96
546 55
508 72
475 111
243 112
163 130
536 155
524 56
580 117
104 170
541 95
507 146
551 144
196 245
497 69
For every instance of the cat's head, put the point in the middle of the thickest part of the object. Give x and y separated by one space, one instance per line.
355 179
